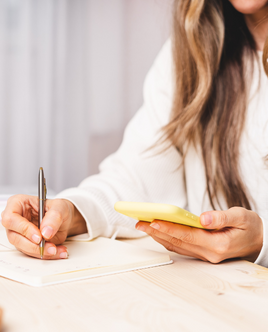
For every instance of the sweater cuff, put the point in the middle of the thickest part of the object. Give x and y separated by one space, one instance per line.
87 205
263 255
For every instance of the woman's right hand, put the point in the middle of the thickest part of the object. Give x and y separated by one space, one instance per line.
20 218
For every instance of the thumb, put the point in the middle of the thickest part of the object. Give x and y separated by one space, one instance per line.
56 214
233 217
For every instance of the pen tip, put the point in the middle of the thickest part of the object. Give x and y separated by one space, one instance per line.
41 168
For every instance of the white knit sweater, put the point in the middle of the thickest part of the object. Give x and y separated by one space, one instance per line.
134 173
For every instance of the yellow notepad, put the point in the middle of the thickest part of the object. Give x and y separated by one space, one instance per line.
95 258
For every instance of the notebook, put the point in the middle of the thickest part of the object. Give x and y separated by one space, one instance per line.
95 258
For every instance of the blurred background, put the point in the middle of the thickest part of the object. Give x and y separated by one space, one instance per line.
71 77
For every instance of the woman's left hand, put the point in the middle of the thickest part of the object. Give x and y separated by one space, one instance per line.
236 232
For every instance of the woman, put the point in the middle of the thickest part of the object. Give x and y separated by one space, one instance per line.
198 142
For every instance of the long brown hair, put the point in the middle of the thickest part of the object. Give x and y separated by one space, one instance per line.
210 41
265 56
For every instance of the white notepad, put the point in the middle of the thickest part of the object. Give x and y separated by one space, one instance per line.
95 258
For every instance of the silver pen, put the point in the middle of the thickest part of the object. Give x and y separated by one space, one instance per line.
42 192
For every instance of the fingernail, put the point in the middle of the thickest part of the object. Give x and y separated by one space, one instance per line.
155 225
36 239
64 255
47 232
141 228
206 219
52 251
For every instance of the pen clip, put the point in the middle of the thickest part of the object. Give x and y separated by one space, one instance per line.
45 189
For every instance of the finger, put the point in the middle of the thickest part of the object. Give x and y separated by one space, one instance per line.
202 253
178 250
213 246
27 247
180 235
234 217
180 239
22 226
20 204
58 211
14 220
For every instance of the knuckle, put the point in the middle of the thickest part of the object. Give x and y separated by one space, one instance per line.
172 230
243 214
188 238
14 239
13 198
25 229
36 251
56 215
219 250
215 259
222 248
10 237
169 247
153 231
10 199
6 220
223 219
168 229
176 242
237 209
240 212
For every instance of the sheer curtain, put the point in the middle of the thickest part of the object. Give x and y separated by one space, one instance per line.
71 75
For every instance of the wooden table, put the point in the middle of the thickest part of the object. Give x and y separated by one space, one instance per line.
189 295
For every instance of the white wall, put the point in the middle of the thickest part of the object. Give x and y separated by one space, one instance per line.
71 75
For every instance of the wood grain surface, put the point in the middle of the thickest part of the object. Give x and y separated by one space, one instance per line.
189 295
1 314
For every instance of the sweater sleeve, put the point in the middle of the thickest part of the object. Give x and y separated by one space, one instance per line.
262 259
137 171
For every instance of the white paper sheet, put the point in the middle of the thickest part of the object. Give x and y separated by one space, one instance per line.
86 259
